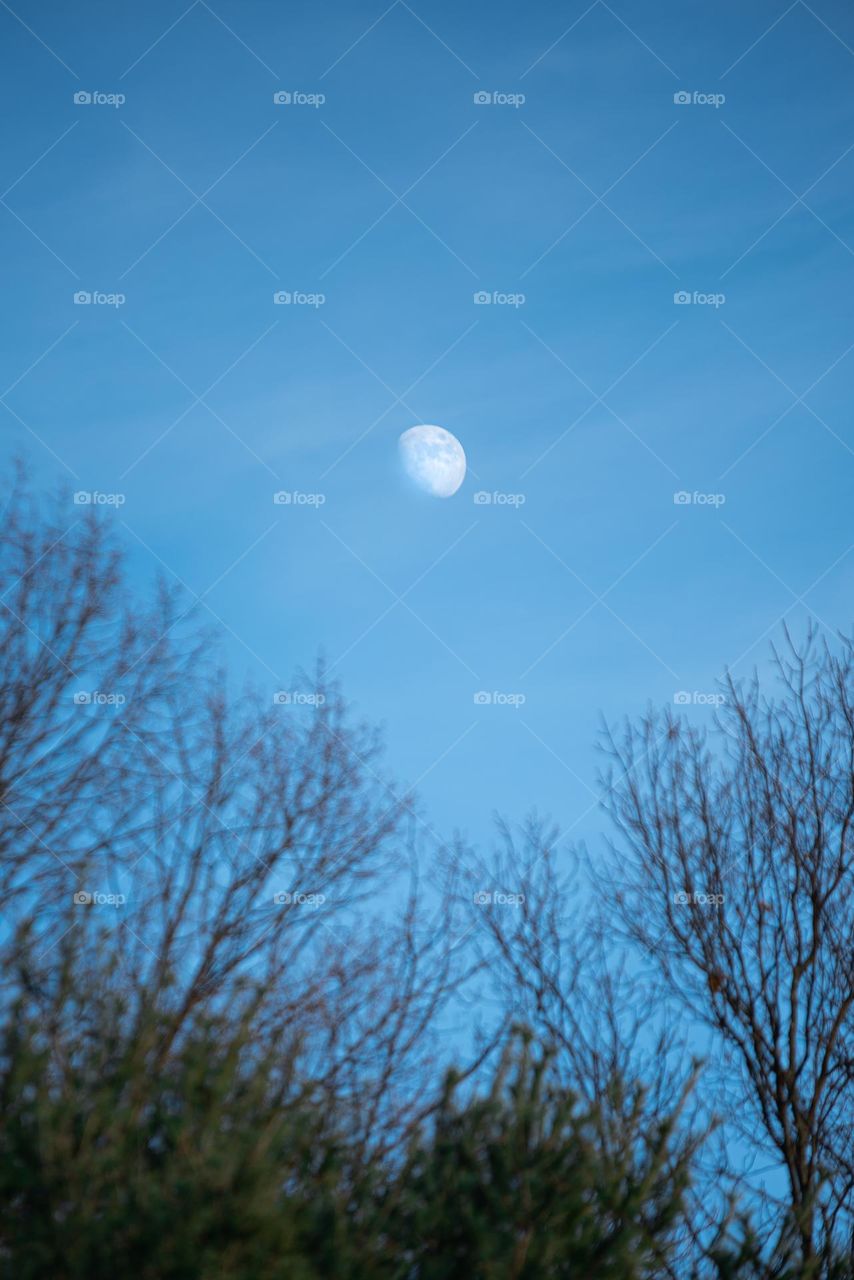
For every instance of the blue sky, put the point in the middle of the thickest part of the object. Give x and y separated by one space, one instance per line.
398 198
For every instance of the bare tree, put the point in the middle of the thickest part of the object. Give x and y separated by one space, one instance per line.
547 962
735 869
213 851
175 856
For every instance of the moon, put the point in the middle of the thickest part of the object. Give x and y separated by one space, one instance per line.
434 459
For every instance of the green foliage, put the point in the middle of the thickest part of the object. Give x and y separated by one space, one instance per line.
209 1087
207 1161
517 1184
110 1166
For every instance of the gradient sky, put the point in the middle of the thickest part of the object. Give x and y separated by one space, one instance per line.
398 198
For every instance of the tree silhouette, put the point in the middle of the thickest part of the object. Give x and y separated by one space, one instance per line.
227 967
735 862
214 851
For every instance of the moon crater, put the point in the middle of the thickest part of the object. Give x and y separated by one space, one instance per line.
434 459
